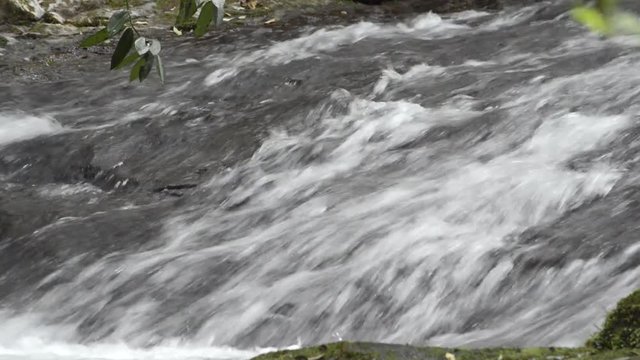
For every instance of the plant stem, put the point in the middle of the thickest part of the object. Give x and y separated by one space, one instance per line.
131 17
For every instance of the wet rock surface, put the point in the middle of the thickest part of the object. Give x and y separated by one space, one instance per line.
20 10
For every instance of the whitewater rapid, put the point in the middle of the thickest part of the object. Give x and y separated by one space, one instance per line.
416 197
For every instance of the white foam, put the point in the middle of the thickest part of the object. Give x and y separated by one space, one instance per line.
432 23
324 40
423 26
30 348
220 75
506 19
18 126
469 14
27 337
415 73
57 190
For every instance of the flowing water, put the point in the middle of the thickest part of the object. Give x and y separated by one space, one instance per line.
464 180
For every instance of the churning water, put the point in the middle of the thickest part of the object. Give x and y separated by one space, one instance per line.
469 180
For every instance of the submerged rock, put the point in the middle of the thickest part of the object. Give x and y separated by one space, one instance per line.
443 5
53 18
622 327
20 10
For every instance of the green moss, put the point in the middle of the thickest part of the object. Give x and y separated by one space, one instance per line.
121 4
622 327
336 351
3 41
371 351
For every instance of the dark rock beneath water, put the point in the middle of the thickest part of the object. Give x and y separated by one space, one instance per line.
5 223
63 162
370 2
441 5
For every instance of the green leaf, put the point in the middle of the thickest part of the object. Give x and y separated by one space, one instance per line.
191 8
592 19
117 21
181 12
122 49
206 15
128 60
148 65
135 70
160 68
95 39
187 9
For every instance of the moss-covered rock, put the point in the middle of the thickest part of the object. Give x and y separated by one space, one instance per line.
622 327
372 351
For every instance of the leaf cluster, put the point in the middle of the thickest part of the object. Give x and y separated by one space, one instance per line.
606 18
143 53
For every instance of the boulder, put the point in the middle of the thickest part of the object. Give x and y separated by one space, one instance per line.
20 10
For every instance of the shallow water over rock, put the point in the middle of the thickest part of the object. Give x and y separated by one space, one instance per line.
459 180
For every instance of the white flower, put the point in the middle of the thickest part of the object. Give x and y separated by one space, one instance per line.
144 45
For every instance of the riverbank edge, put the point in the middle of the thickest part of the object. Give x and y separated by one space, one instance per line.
37 51
618 339
380 351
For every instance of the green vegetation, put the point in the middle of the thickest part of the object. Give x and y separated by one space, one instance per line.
372 351
119 4
192 15
133 48
622 327
606 18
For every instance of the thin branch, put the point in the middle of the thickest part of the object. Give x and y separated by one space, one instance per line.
131 17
